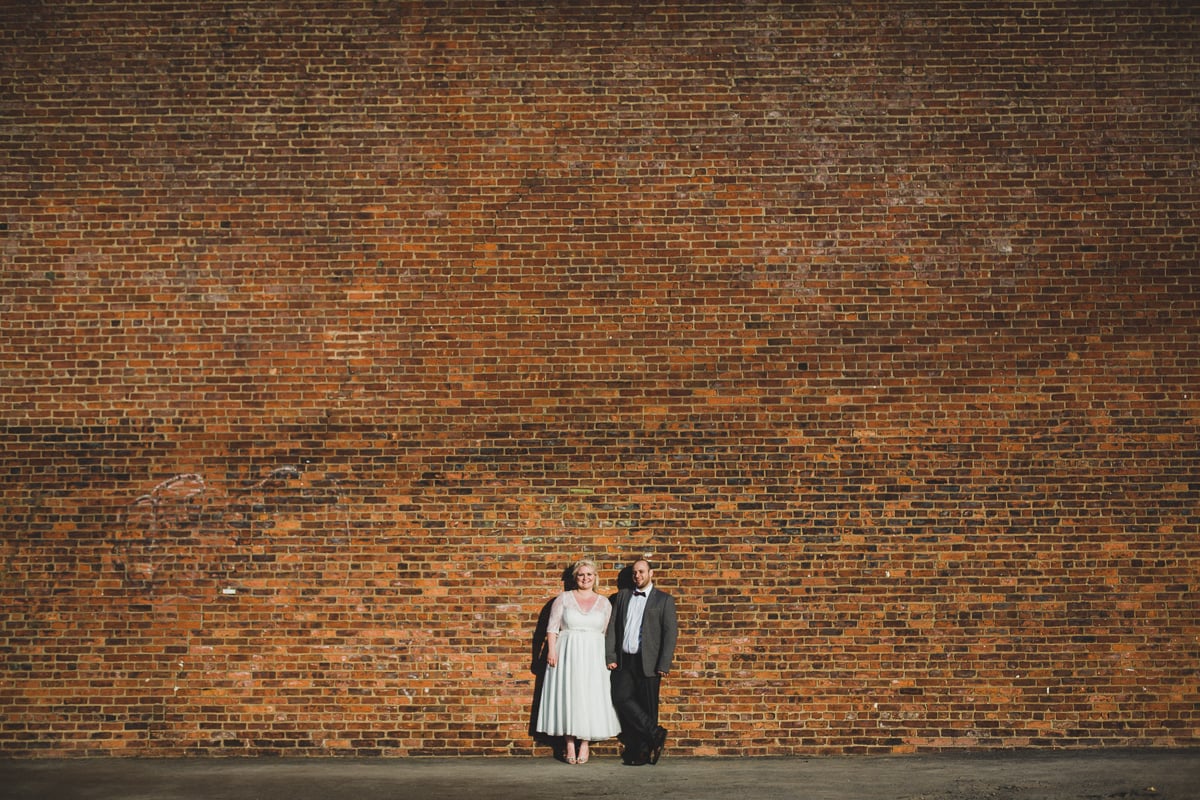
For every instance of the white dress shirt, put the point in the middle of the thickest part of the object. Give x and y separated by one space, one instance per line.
633 621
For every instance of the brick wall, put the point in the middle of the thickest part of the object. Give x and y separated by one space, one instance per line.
330 333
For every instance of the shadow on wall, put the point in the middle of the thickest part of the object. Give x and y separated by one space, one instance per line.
537 665
624 580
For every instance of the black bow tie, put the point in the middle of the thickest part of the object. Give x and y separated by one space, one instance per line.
639 594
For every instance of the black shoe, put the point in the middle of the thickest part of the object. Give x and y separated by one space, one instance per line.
657 742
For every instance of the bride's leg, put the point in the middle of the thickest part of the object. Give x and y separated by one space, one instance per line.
571 750
583 751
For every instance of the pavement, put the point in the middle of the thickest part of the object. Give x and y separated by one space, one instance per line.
1004 775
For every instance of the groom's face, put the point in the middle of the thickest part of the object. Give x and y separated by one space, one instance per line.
642 574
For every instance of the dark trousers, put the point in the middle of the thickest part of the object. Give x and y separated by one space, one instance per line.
635 698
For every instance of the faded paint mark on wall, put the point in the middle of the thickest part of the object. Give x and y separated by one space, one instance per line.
173 533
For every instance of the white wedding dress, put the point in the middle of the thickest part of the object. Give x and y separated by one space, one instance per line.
577 694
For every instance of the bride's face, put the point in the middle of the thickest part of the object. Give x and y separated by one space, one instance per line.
585 578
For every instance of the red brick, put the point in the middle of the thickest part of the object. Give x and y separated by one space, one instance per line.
326 344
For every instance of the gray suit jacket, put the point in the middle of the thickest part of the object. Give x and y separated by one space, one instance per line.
659 631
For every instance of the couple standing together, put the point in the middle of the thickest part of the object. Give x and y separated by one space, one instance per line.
604 664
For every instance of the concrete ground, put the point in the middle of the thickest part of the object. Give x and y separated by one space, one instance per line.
1062 775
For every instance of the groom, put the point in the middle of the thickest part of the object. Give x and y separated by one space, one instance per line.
639 646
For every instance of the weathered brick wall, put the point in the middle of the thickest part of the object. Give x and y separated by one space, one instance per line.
331 332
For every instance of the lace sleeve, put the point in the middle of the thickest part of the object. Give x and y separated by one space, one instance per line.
607 607
556 614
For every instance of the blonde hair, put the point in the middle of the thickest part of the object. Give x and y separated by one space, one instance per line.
581 563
